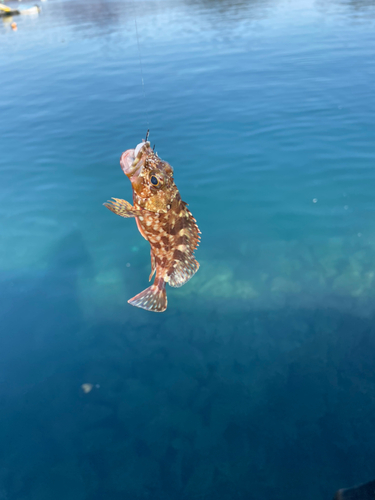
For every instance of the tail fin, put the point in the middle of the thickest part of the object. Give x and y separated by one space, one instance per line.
154 298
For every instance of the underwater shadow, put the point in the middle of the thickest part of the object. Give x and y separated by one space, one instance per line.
223 405
40 349
199 402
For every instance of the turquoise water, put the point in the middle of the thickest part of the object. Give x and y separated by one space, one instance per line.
258 381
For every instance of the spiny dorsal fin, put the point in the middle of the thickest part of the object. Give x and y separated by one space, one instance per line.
184 238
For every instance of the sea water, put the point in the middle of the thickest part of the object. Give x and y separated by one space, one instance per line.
258 381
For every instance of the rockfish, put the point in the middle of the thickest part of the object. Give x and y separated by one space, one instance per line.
162 219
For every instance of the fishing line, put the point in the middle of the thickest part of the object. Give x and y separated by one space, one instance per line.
141 68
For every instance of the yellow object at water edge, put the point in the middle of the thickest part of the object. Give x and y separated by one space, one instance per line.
5 8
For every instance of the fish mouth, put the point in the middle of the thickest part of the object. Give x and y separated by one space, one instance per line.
129 159
126 161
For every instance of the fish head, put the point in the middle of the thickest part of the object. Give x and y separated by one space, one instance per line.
151 178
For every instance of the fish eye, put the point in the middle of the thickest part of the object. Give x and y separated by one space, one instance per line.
154 180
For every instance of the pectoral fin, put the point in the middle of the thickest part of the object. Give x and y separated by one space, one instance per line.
122 208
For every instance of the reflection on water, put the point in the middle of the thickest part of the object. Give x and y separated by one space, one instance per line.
102 16
367 6
356 10
233 11
258 381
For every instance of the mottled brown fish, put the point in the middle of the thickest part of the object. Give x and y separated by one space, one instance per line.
162 219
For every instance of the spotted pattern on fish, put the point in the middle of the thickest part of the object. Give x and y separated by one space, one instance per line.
164 221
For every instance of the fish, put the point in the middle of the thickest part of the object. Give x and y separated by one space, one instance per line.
163 219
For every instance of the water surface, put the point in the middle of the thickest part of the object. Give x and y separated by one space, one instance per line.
258 380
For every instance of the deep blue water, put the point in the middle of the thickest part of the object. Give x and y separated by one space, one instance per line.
258 382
